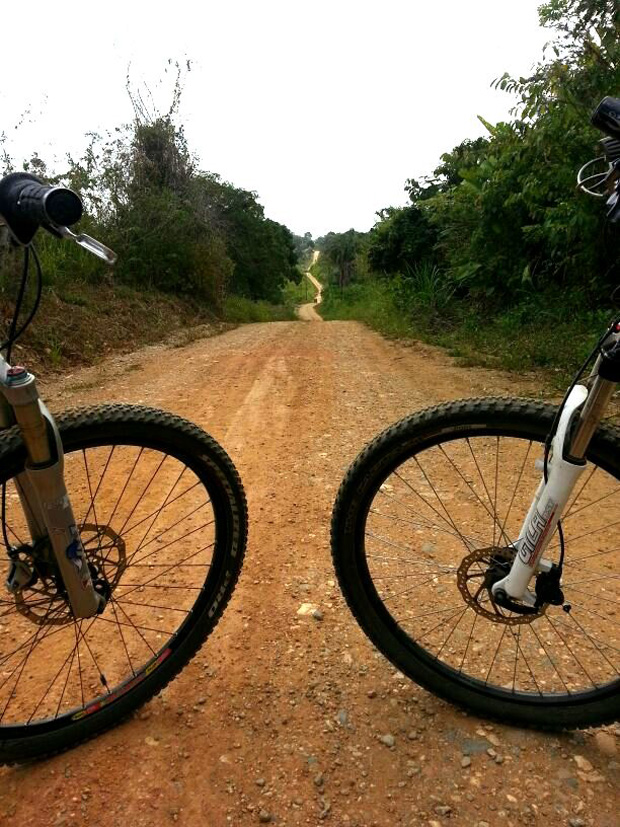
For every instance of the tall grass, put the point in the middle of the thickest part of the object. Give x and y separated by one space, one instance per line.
240 310
370 302
296 293
549 335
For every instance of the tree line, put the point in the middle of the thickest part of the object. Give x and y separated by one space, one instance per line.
499 223
174 226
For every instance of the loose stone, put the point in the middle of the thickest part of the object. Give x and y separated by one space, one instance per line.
583 763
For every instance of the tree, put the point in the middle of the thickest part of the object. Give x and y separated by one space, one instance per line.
400 239
505 210
341 250
304 247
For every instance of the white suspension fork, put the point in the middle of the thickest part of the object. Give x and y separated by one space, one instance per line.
566 464
546 508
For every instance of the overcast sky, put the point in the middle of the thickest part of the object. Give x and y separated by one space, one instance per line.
323 108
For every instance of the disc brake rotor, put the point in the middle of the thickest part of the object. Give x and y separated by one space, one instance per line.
44 604
478 571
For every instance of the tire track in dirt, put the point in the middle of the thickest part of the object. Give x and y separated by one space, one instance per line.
279 715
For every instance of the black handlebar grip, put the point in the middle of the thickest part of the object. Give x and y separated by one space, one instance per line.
43 204
26 203
606 117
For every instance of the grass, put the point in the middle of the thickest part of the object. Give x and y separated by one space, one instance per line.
369 303
544 336
240 310
82 320
294 293
90 321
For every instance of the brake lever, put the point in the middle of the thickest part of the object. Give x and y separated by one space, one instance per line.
89 243
613 203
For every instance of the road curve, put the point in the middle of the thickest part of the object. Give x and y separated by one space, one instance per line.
307 312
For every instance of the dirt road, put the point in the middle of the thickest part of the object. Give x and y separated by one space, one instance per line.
279 718
307 312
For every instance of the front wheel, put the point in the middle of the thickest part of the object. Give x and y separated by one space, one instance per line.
424 523
163 520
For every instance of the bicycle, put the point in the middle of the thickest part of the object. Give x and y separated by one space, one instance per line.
124 527
497 602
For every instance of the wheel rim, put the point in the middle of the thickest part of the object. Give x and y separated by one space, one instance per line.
150 533
465 494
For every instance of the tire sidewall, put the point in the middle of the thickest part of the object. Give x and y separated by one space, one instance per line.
189 444
372 467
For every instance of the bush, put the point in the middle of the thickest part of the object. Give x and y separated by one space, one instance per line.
240 310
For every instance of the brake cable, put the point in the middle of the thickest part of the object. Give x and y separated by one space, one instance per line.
13 333
7 345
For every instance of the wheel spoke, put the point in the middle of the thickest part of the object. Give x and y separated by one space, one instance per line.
36 639
492 513
551 660
159 511
161 574
172 542
572 512
90 488
495 654
124 488
516 486
122 636
424 523
574 563
451 489
568 647
142 494
452 631
447 520
151 557
591 640
517 639
140 522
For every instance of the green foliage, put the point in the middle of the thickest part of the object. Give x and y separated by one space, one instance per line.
514 221
174 227
340 254
371 302
182 230
402 238
262 250
500 215
426 287
296 293
304 247
519 338
498 248
241 310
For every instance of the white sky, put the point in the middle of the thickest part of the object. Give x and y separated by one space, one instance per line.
323 108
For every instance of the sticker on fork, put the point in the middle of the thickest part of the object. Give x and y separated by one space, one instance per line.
536 533
75 553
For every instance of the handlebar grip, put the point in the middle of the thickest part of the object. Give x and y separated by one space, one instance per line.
26 203
43 203
606 117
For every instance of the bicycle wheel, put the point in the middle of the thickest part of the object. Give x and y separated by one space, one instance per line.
424 519
163 520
